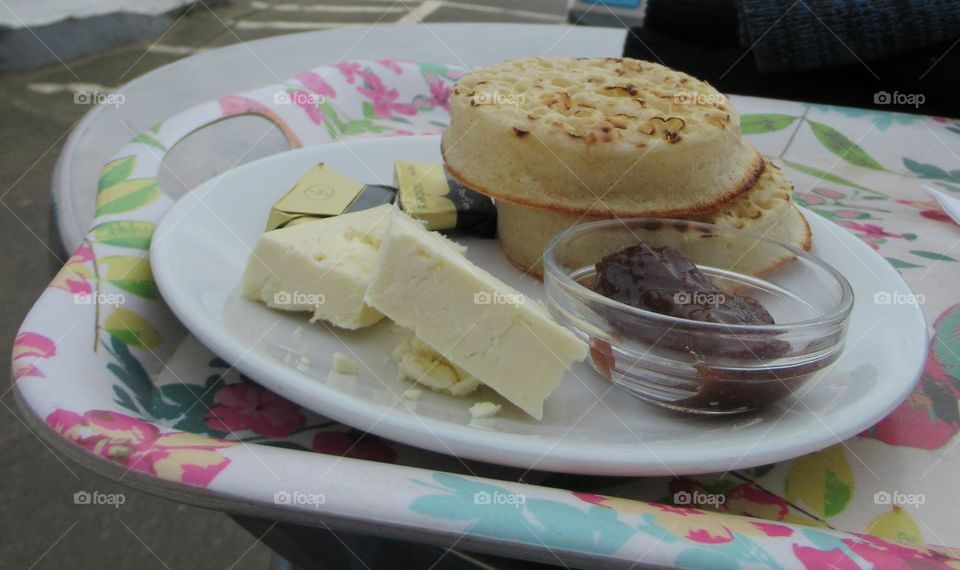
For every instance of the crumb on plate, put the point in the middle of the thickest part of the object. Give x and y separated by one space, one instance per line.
344 364
484 410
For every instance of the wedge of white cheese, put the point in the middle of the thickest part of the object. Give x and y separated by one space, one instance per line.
508 342
323 267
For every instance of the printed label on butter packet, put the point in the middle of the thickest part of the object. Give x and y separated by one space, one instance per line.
323 192
427 193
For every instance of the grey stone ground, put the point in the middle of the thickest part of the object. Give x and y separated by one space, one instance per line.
40 526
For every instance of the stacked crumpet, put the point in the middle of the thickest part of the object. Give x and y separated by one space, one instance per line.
559 141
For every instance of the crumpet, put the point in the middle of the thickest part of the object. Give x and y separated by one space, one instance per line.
766 209
620 137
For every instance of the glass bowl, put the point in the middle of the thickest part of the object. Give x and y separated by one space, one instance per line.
696 366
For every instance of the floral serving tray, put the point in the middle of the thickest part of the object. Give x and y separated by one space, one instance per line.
110 378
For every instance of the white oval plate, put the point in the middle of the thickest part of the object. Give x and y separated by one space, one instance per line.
201 247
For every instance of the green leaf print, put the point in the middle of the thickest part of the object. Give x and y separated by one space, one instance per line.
434 69
333 123
127 195
135 235
837 143
186 405
765 123
758 472
131 329
354 128
931 255
132 274
946 342
181 405
823 481
149 140
367 110
330 129
124 400
115 171
926 170
900 264
824 175
896 524
133 376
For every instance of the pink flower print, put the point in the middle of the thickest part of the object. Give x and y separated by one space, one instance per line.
83 254
439 92
245 406
748 500
235 105
682 511
834 559
401 133
870 231
307 102
354 445
937 215
852 214
696 525
771 529
349 69
928 418
827 193
75 275
28 348
930 210
384 99
709 536
315 83
139 445
391 64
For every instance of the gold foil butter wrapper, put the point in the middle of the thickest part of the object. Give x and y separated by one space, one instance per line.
427 193
323 192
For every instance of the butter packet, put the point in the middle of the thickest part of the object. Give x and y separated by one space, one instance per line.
322 193
428 193
423 190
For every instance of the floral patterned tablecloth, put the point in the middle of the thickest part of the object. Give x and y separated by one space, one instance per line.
101 361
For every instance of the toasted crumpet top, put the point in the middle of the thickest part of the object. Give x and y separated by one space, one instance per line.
621 136
621 101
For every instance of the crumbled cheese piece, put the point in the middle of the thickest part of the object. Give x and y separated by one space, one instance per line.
421 364
482 410
344 364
